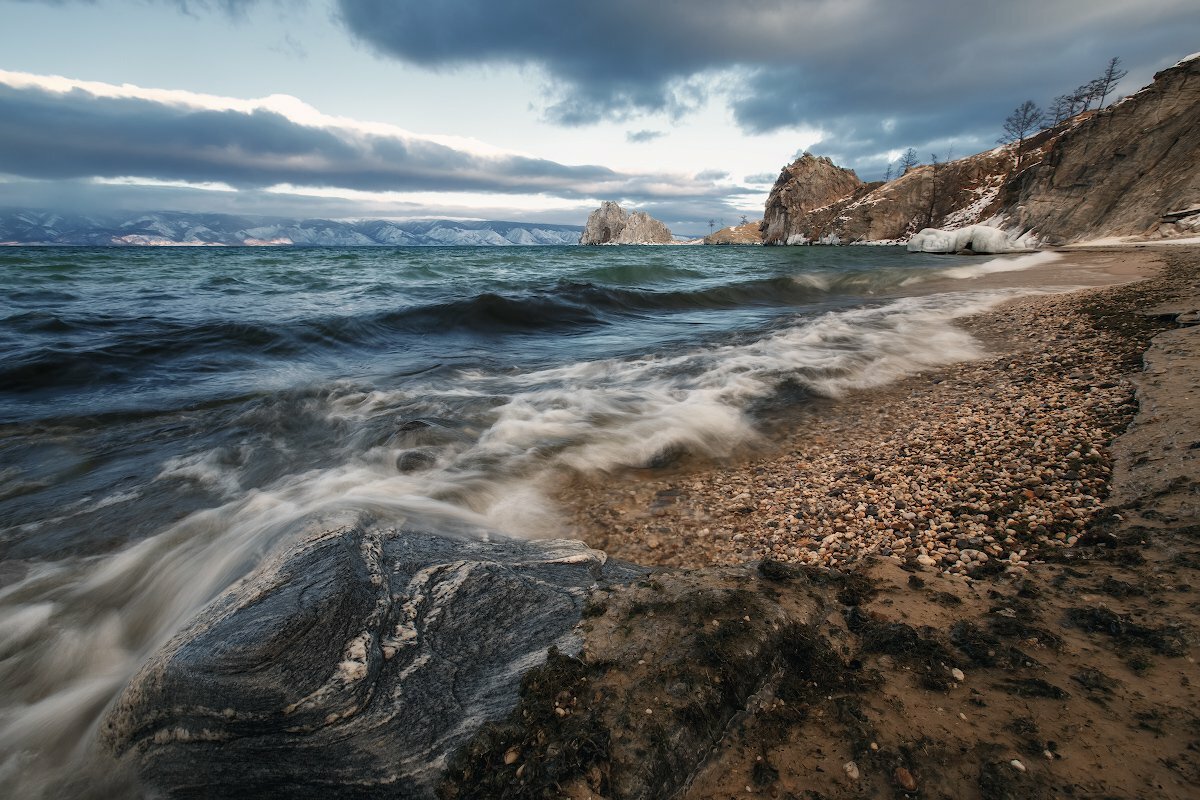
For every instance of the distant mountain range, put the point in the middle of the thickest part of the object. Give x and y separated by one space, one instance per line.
170 228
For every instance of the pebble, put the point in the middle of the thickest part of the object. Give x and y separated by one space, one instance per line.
1017 765
851 770
905 779
958 675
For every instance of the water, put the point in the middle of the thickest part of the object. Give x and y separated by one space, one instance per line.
167 416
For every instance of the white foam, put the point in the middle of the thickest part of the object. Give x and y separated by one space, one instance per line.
995 265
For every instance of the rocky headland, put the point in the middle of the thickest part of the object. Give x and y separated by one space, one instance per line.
611 224
749 233
1129 169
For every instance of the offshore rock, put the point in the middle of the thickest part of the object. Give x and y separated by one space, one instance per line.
352 665
807 183
611 224
1122 170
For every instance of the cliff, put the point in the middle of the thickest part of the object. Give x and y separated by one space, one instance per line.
611 224
952 194
808 182
1116 172
1121 170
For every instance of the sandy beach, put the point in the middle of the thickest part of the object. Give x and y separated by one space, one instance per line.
996 559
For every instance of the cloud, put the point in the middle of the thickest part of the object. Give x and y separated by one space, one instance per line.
938 71
712 175
54 128
641 137
126 142
762 178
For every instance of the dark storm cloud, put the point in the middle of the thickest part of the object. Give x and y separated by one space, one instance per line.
72 135
873 75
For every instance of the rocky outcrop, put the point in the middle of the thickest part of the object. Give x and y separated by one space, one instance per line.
611 224
949 195
353 664
807 183
1121 170
1129 169
747 234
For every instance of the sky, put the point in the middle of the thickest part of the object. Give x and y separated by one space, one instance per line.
523 109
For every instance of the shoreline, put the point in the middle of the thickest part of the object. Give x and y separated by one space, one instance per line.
829 444
1068 673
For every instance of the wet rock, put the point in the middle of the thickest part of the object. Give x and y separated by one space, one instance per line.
354 659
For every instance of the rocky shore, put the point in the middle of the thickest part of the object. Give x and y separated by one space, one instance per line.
981 462
979 582
991 614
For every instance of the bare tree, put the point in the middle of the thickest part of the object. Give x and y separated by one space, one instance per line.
935 189
1064 107
1087 94
712 223
887 176
745 219
908 161
1109 79
1024 120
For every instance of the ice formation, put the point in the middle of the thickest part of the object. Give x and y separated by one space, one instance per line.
975 238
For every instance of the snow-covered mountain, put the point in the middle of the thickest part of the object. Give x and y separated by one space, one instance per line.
19 226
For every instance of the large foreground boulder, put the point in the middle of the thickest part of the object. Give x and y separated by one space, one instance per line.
611 224
352 665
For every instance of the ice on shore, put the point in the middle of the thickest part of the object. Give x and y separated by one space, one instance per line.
975 238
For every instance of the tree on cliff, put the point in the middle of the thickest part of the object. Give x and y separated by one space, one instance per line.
908 161
936 208
1109 79
1064 107
1024 120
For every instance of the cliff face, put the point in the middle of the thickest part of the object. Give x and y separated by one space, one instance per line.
953 194
611 224
808 182
1122 169
1113 172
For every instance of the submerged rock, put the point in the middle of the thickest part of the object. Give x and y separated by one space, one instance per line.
611 224
354 664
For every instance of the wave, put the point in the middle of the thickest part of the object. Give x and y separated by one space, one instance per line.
62 350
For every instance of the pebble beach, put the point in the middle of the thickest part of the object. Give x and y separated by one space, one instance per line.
979 463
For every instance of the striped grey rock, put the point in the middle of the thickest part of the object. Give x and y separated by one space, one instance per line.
351 665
